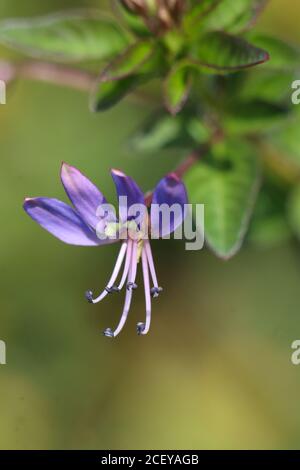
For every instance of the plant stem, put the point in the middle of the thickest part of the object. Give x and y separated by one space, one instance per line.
57 74
189 161
47 72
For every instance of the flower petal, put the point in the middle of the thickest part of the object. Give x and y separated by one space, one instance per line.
61 220
170 191
126 187
84 195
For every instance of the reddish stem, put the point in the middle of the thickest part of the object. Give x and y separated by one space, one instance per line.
57 74
186 164
47 72
181 169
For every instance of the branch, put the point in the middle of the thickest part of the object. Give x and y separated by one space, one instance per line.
57 74
187 163
182 168
48 72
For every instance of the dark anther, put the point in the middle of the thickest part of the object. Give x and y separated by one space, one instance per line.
108 333
89 296
155 291
131 286
111 290
140 328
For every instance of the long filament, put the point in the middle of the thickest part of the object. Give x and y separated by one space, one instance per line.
115 273
128 297
127 265
143 330
151 263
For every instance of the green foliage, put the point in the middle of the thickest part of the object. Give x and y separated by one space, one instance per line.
177 87
65 37
162 131
137 65
226 183
270 232
233 16
133 22
131 61
269 226
107 94
183 54
226 53
266 85
283 56
294 210
159 132
287 141
255 116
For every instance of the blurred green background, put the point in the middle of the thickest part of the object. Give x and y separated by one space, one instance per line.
215 370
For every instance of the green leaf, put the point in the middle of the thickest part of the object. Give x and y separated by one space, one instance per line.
294 210
129 62
283 56
270 232
198 11
225 53
198 130
159 132
162 131
253 116
177 87
108 94
266 85
133 21
286 141
269 226
227 185
66 37
248 18
232 16
136 66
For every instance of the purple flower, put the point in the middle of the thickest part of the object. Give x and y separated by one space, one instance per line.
92 221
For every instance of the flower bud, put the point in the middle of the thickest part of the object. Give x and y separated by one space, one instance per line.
159 15
135 6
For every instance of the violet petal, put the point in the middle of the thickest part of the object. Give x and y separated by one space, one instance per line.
84 195
170 190
61 221
127 187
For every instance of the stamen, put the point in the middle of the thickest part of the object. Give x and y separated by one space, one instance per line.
131 279
155 291
110 288
89 296
108 333
151 263
127 265
131 286
142 328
